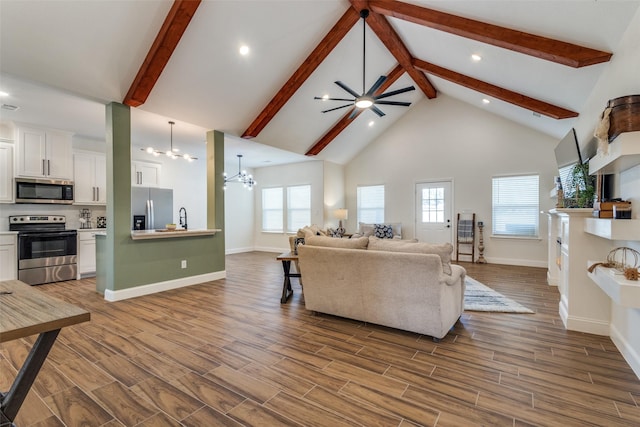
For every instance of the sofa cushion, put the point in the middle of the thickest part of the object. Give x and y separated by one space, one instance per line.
310 230
359 243
443 250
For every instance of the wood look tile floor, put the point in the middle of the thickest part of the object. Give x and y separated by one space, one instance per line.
228 353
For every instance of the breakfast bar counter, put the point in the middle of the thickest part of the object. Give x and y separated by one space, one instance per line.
170 234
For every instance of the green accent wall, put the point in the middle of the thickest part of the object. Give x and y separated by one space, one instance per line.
124 263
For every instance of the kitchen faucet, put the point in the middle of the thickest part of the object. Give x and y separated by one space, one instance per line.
183 221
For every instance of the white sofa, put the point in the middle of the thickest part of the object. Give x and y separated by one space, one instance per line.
385 285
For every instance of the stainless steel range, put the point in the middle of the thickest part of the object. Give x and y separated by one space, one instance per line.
47 251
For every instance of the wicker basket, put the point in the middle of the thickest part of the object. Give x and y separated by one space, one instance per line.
625 115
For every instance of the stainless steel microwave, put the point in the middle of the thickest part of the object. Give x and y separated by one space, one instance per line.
54 191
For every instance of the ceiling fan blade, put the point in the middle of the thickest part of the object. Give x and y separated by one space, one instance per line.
402 104
354 113
376 85
376 110
348 89
337 108
334 99
396 92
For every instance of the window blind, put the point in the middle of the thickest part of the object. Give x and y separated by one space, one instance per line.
515 204
370 204
298 207
272 215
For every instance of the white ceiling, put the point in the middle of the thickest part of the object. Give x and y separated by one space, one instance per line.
62 61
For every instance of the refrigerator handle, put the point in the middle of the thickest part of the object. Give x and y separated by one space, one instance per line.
152 214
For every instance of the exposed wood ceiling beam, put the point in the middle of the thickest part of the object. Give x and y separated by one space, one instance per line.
396 47
506 95
346 119
168 37
541 47
328 43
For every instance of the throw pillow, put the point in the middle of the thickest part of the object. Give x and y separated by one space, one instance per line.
443 250
383 231
330 242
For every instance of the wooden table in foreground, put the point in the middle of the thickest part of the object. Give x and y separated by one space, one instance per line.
286 258
26 311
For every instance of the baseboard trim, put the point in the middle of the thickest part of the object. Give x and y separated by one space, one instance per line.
551 281
627 351
153 288
589 326
520 262
238 251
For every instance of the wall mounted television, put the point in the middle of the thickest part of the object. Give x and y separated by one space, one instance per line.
567 156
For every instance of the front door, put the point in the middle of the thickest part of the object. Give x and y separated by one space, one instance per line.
433 212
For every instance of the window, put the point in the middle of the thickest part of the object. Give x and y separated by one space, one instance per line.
433 204
298 207
272 216
370 204
515 206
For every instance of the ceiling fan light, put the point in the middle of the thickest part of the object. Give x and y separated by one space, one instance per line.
364 102
149 150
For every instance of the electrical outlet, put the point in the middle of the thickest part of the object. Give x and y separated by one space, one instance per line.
183 264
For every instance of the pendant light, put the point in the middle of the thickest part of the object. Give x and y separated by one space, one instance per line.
173 152
241 177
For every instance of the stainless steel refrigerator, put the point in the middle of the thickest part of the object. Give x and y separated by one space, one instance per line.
156 204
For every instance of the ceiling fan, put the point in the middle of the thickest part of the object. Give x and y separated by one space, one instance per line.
366 100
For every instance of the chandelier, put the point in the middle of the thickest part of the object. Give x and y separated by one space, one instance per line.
241 177
173 152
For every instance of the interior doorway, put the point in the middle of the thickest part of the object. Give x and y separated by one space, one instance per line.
433 212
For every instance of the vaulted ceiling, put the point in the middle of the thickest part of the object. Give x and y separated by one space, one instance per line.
179 60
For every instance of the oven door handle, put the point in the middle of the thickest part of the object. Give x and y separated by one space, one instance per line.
47 233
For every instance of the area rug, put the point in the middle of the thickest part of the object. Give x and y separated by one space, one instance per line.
479 297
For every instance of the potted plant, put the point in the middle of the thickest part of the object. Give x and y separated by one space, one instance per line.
582 188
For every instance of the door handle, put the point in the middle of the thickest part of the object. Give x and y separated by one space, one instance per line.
97 194
43 172
48 167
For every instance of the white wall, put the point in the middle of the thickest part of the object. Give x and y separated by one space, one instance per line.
443 139
620 78
333 193
239 212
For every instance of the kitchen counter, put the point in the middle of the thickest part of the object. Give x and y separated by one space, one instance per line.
171 234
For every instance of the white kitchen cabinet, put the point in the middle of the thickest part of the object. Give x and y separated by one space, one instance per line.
90 178
8 257
145 174
6 172
44 153
86 253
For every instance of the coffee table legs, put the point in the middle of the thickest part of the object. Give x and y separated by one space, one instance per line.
287 291
10 402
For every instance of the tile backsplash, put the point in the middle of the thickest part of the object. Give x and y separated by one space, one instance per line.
71 212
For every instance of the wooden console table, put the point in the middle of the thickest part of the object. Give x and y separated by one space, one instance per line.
286 258
26 311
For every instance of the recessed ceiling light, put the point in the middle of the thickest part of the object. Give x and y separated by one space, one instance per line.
3 94
476 57
371 123
485 101
244 50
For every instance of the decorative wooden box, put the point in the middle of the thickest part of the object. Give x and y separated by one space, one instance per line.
625 115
